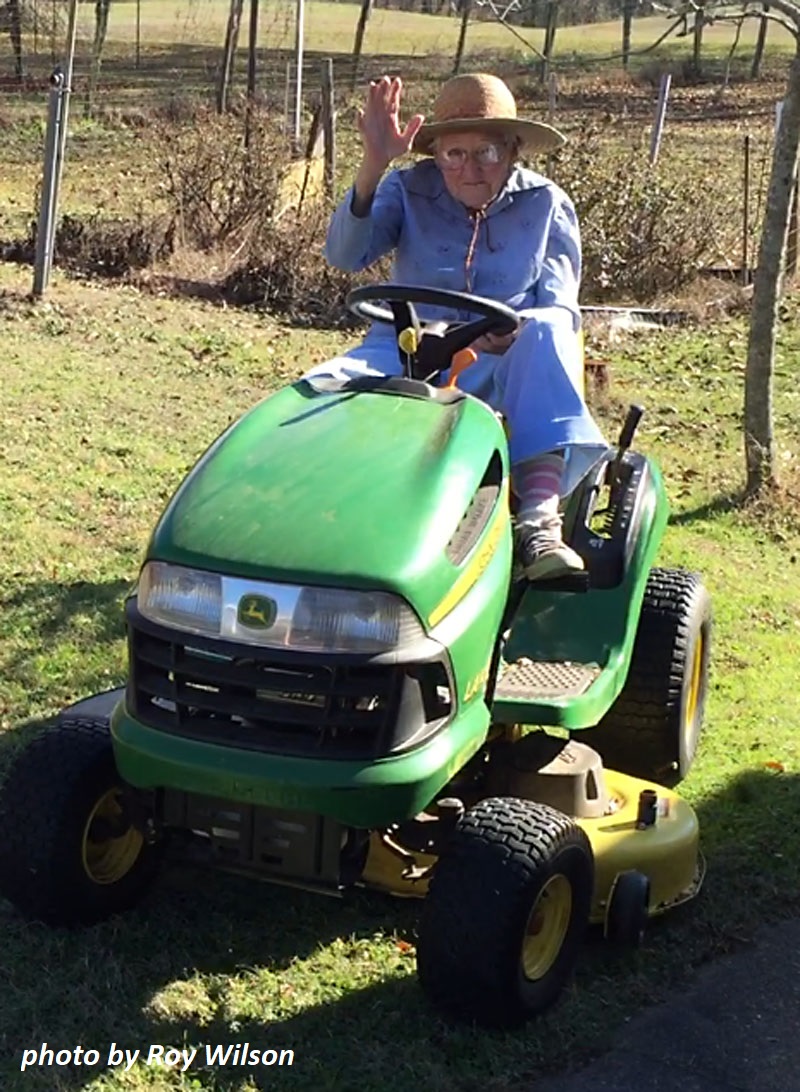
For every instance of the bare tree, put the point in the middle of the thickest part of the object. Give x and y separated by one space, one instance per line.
759 437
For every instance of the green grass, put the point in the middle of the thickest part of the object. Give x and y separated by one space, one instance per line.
331 27
106 398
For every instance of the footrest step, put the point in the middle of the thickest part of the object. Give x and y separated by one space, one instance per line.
535 680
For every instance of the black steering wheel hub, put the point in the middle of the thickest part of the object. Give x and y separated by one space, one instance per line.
425 351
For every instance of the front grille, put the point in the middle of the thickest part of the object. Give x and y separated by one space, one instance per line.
258 699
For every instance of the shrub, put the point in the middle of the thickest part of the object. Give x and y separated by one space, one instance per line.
219 186
646 231
226 195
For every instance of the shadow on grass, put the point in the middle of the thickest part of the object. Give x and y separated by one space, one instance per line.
48 607
775 512
717 506
77 623
195 963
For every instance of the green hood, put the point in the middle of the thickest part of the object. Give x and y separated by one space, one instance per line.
350 489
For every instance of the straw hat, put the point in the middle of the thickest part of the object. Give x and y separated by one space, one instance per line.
481 101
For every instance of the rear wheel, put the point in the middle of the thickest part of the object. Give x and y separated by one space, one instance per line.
653 728
506 912
70 853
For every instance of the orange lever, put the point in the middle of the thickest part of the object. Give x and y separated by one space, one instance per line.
461 361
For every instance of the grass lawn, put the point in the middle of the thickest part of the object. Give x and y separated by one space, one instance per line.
107 396
331 27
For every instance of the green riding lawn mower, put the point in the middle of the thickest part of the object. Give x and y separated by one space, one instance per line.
336 679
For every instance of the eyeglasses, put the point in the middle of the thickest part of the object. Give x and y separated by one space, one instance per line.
455 159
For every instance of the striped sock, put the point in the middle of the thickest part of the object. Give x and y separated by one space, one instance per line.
537 483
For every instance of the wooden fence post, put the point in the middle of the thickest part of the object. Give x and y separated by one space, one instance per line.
791 235
761 40
746 213
466 8
363 16
229 49
627 19
329 127
549 40
252 71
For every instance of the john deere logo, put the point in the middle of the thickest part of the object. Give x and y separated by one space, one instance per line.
257 611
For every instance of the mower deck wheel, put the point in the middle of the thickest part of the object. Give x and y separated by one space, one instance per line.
628 909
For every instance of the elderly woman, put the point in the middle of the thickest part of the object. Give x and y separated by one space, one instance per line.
468 218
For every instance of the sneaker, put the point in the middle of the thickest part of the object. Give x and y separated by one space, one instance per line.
541 553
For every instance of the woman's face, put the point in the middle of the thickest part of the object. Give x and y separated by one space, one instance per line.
474 165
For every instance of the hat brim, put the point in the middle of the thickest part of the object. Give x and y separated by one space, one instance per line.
534 136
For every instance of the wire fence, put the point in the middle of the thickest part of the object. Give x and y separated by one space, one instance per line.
163 54
154 52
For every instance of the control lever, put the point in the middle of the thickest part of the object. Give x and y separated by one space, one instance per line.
635 414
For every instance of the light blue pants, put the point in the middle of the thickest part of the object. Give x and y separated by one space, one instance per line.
535 384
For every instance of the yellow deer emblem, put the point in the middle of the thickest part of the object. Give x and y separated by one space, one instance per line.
257 612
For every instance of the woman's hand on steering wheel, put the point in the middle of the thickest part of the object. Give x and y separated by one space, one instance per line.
495 344
379 124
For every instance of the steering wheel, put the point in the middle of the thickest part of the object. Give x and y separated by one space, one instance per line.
432 353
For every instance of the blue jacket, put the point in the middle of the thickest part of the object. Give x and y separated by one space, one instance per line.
527 253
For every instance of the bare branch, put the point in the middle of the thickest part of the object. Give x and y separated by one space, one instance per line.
553 62
496 15
792 28
729 61
787 7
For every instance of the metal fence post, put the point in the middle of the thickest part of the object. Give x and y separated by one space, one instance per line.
661 113
45 233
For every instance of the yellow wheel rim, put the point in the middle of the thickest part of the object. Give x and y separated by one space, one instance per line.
107 859
546 927
695 682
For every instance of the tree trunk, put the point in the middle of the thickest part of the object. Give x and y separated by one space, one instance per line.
15 33
758 431
755 68
101 13
363 16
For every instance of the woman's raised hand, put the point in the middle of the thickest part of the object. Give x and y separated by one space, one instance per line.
379 124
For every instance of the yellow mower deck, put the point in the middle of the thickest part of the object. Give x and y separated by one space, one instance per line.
667 852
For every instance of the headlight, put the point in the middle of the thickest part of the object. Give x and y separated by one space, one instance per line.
328 619
315 619
185 598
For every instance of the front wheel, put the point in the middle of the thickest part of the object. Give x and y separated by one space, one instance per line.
70 853
506 912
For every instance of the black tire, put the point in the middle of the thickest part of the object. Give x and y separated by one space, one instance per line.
478 955
69 854
653 728
628 910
